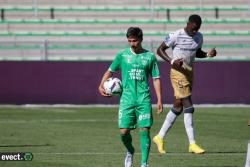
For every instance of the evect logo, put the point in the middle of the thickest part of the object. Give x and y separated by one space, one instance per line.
16 156
144 116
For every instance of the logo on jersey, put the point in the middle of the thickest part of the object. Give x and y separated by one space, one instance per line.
136 74
128 60
144 62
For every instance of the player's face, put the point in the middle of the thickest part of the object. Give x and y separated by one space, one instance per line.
192 28
134 43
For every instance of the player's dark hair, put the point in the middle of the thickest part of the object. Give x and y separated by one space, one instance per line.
195 19
134 32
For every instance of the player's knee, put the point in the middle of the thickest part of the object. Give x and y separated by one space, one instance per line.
177 111
189 110
124 131
145 129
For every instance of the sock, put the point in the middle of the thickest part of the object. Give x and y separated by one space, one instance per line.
189 125
145 142
168 123
127 141
248 155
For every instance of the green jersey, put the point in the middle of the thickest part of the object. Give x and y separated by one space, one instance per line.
135 69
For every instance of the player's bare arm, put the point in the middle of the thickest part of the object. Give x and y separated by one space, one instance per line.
201 54
161 51
106 75
158 91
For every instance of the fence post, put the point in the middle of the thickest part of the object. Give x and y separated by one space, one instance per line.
152 10
216 13
44 50
2 14
35 8
168 14
201 7
52 14
151 44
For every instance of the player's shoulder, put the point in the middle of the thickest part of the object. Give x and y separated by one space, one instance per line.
175 34
123 52
199 34
178 32
149 54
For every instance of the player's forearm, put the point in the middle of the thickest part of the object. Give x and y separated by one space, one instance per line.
161 51
164 55
106 75
158 89
201 54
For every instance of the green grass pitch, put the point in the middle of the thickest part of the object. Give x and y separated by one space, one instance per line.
89 137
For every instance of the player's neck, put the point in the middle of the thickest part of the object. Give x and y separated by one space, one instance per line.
137 51
186 31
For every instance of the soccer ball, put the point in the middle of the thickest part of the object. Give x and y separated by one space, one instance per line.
113 86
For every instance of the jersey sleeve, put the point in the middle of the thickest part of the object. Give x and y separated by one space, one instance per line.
155 73
116 64
170 39
201 41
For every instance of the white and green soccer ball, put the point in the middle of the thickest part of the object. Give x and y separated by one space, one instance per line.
113 86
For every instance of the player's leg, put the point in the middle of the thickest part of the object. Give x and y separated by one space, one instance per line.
145 121
126 139
145 143
127 121
188 118
174 112
176 80
248 153
189 125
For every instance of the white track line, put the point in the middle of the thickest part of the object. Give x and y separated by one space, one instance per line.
114 105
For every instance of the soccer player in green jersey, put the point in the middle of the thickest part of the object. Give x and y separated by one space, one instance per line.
136 65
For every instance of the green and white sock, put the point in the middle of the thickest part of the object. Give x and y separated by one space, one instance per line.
145 142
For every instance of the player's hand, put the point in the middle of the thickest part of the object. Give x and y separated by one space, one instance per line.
212 53
177 64
103 92
159 107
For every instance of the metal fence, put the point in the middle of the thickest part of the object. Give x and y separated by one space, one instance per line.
55 30
49 50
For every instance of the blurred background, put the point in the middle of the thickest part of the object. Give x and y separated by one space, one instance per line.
56 51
